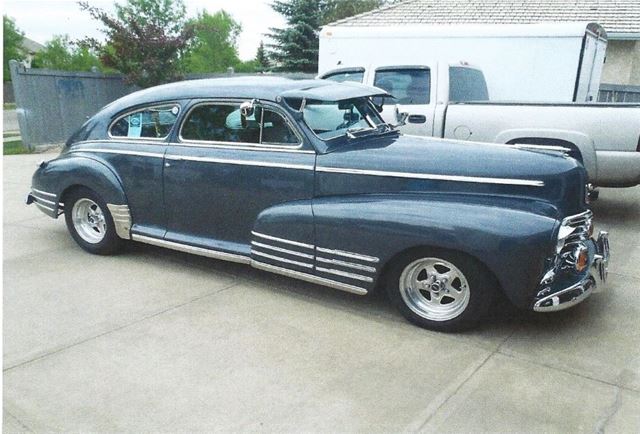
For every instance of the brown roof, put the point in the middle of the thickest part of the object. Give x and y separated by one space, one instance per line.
616 16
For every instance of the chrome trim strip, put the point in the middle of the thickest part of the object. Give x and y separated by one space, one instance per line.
281 250
282 240
191 249
457 178
346 264
281 259
241 147
117 140
345 274
50 202
541 147
239 162
44 193
45 207
119 151
121 219
309 278
348 254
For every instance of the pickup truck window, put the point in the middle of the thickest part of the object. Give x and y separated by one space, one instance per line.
224 123
467 84
340 77
409 86
150 122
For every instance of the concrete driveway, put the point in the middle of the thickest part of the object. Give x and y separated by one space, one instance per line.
155 340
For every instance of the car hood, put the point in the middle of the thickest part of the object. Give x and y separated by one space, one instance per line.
416 164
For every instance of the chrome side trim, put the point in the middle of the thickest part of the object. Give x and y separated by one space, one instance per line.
241 147
345 274
43 193
456 178
348 254
309 278
282 240
281 259
119 151
346 264
239 162
191 249
542 147
281 250
121 219
39 205
50 202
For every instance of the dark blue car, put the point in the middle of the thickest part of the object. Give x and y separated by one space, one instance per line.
304 179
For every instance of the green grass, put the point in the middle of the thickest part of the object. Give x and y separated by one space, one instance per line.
9 106
14 148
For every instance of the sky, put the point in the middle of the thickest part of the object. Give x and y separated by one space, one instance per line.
40 20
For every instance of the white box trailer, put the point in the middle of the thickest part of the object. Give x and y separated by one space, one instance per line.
546 62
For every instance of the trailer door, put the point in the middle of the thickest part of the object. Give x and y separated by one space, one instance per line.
411 86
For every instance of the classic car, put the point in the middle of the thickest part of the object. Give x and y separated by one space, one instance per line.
305 179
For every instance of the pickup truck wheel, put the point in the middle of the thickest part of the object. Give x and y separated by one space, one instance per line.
90 222
441 290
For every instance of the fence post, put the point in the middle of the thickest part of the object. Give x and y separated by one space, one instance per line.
17 81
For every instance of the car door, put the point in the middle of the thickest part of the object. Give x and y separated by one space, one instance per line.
411 86
135 150
224 170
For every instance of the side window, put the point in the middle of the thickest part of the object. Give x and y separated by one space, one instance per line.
224 123
467 84
151 122
340 77
409 86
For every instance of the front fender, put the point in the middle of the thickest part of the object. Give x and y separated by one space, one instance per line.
512 237
60 174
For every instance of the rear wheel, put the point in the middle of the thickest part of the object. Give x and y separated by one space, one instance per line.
90 222
441 290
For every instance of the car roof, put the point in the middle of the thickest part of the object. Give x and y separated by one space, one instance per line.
259 87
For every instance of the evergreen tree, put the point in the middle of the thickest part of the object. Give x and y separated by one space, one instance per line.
261 57
295 47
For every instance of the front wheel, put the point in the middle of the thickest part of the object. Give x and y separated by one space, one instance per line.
441 290
90 222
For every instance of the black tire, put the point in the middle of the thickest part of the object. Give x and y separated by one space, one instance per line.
481 287
110 242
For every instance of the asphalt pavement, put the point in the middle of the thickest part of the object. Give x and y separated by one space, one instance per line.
156 340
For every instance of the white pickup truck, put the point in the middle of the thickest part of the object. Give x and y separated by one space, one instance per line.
451 101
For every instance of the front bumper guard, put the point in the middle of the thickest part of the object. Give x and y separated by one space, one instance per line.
578 292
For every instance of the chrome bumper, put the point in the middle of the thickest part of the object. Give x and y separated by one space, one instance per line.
593 282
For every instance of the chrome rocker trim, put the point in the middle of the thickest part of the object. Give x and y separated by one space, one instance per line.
309 278
578 292
121 219
201 251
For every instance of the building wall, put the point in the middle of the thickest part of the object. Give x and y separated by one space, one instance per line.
623 63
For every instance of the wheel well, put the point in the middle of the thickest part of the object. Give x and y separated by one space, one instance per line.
67 191
386 268
549 141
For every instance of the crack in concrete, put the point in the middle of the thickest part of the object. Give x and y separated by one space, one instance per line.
20 422
118 328
611 411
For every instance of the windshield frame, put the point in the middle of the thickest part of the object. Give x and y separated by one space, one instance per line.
369 119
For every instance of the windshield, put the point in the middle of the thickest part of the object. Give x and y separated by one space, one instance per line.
331 119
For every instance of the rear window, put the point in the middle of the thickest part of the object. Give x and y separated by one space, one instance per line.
356 76
409 86
467 84
150 122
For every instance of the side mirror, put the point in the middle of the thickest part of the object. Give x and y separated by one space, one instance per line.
401 117
246 108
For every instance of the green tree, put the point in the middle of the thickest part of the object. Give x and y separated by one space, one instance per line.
262 61
146 40
214 45
11 45
334 10
295 47
60 53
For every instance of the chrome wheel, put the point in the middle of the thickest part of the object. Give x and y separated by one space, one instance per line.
89 220
434 289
